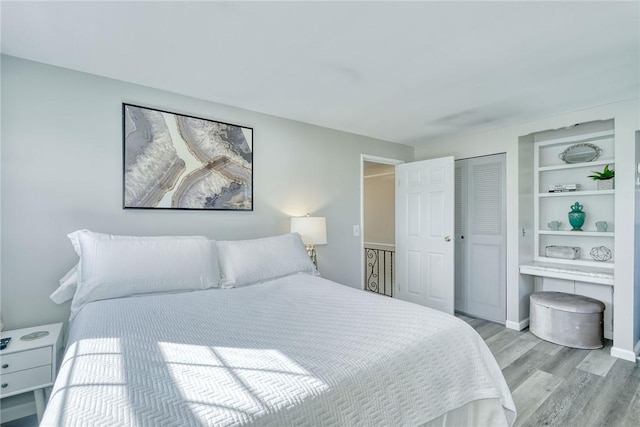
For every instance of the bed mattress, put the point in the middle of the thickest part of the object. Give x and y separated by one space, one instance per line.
299 350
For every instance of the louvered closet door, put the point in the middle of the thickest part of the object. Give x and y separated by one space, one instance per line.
486 270
485 238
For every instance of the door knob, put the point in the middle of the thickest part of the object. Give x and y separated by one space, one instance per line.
447 238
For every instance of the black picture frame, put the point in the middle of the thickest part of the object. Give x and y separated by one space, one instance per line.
177 161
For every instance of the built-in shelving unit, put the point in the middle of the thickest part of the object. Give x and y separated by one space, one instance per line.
583 276
598 204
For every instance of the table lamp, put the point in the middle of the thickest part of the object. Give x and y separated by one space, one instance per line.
313 230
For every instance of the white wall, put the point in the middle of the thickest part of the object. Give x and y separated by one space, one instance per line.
627 121
636 279
379 208
526 283
62 171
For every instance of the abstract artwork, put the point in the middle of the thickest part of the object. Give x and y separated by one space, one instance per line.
173 161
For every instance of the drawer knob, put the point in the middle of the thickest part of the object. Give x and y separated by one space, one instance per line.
5 366
4 385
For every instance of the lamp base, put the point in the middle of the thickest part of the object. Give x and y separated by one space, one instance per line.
311 251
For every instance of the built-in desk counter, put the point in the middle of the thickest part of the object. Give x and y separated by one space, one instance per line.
600 276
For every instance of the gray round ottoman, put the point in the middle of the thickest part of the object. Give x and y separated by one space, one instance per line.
567 319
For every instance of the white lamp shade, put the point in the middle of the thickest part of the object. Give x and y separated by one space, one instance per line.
312 229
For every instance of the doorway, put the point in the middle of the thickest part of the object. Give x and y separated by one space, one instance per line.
422 271
378 224
480 237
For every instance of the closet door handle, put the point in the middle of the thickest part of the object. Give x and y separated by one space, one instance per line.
447 238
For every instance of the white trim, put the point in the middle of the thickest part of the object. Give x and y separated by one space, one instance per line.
517 326
636 350
376 175
388 245
374 159
383 160
623 354
20 410
587 137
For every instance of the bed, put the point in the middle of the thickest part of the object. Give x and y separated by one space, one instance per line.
295 349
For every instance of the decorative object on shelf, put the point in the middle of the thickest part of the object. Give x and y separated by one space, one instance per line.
313 230
580 153
560 188
34 335
600 253
605 178
576 217
601 225
554 225
565 252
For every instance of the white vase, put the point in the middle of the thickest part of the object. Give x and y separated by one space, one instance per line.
606 184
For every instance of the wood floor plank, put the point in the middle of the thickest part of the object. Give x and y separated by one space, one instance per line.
561 386
564 361
523 367
466 318
489 329
631 417
502 338
565 406
548 347
598 362
614 397
513 350
532 393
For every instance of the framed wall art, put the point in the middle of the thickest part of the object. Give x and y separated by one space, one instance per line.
174 161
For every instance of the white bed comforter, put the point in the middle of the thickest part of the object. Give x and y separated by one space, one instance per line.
299 350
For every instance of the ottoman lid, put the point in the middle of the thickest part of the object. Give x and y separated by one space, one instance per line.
567 302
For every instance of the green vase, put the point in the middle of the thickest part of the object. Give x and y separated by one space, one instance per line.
576 217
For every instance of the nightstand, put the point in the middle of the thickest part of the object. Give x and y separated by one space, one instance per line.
30 365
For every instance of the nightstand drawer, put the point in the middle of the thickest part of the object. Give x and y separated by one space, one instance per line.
24 360
21 380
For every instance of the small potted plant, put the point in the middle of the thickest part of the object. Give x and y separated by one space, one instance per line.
605 178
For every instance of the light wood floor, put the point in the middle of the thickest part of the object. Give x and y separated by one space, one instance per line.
554 385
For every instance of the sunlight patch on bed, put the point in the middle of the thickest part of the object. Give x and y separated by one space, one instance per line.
105 355
251 382
95 364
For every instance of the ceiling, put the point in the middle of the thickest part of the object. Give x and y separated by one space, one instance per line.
408 72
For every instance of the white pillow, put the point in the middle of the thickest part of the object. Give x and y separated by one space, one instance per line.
68 285
244 262
119 266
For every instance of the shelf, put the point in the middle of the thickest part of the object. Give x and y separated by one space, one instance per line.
578 193
587 137
564 166
567 271
577 233
578 263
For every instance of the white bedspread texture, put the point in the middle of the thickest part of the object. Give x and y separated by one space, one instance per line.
299 350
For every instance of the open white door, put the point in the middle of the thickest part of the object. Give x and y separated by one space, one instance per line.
424 233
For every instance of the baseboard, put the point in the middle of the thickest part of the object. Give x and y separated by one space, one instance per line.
623 354
20 410
517 326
